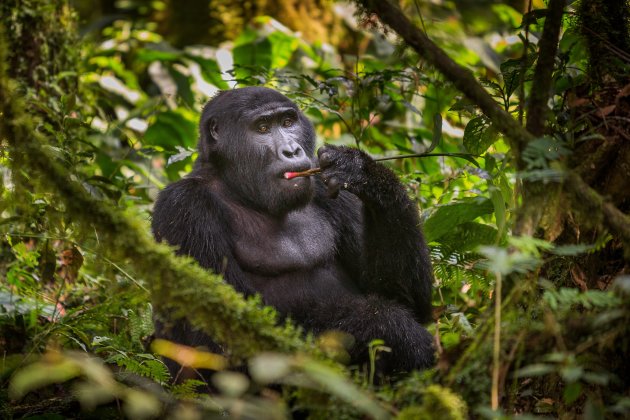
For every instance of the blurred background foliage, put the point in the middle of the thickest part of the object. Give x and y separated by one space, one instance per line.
117 88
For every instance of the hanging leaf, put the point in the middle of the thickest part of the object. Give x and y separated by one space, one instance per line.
184 88
511 71
210 71
479 135
437 132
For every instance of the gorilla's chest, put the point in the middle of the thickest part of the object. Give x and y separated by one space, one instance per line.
301 241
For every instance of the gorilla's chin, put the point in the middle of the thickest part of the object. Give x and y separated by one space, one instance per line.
288 195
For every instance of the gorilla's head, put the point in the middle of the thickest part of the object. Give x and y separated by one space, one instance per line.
250 137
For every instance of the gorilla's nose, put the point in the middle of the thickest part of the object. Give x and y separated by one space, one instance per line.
291 151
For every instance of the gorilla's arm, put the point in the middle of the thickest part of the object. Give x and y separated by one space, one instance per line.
394 261
188 215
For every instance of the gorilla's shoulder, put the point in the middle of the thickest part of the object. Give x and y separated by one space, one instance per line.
184 205
187 194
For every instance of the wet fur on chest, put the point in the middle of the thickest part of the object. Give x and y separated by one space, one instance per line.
301 240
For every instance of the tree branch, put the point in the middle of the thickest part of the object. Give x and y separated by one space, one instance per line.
618 223
463 79
176 283
541 85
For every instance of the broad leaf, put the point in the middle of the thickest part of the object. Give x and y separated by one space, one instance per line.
479 135
171 129
446 217
468 236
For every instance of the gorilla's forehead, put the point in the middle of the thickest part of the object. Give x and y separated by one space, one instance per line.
267 110
247 103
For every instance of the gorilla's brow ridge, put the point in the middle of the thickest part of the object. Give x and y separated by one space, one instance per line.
267 111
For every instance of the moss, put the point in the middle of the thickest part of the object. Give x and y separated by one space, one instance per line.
437 403
177 284
41 35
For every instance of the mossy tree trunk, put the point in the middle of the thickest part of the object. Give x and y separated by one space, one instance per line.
46 34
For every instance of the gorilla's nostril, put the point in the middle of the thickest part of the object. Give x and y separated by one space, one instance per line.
292 153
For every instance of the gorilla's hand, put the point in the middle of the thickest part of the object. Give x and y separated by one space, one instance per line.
344 168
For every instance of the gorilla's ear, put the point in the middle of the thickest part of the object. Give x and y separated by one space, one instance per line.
208 139
213 130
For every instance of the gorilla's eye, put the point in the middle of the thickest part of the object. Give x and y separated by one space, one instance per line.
263 128
288 122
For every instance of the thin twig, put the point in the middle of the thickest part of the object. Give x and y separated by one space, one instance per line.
313 171
496 347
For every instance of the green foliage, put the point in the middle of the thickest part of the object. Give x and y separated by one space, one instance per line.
451 215
437 402
479 135
107 128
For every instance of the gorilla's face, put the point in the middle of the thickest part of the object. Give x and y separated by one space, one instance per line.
253 136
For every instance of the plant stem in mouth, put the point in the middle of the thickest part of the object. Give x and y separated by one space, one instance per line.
313 171
309 172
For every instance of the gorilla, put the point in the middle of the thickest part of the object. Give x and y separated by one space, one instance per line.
341 251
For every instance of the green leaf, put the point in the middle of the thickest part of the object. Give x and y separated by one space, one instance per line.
450 339
269 367
593 410
157 52
233 384
437 132
41 374
601 379
479 134
468 236
536 369
446 217
463 104
571 250
183 82
171 129
572 392
282 48
499 210
335 383
210 71
512 69
182 154
250 51
571 373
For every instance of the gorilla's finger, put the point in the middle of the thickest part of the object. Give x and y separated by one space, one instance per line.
325 155
334 186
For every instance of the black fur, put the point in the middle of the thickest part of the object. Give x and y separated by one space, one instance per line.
340 251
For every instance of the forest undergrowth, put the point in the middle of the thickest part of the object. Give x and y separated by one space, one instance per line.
524 203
